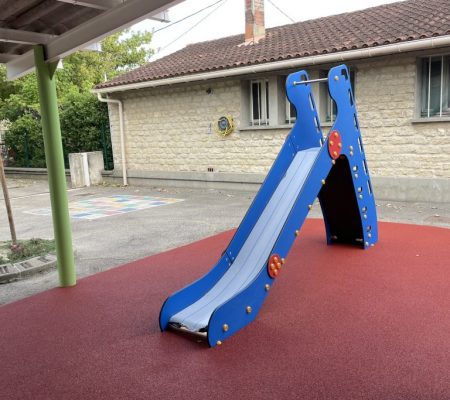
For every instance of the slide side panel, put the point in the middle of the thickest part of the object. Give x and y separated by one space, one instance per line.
256 249
301 208
268 188
235 312
191 293
305 134
350 189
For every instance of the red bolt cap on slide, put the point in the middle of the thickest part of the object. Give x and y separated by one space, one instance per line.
274 265
334 144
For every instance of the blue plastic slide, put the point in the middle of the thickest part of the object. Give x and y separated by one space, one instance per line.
308 166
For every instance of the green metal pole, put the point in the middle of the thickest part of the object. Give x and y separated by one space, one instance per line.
45 73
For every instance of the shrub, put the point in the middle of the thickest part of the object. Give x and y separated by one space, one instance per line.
25 142
84 127
83 118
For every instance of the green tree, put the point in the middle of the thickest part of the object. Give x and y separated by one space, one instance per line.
82 116
121 52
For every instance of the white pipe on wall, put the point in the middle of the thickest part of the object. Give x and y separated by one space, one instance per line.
389 49
122 134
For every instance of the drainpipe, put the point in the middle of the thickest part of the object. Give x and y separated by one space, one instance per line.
122 134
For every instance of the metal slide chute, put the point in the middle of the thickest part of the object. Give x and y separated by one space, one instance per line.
308 166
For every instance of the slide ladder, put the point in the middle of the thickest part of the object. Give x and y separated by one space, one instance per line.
308 166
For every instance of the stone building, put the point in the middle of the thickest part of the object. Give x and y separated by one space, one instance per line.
399 57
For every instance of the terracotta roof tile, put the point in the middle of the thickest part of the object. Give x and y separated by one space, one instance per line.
386 24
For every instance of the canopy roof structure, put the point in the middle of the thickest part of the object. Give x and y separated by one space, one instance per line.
35 35
65 26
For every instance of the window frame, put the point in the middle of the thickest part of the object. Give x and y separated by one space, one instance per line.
287 116
263 107
290 118
425 87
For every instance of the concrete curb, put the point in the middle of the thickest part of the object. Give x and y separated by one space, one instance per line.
400 188
13 272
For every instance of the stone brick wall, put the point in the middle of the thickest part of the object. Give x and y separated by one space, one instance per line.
395 145
169 128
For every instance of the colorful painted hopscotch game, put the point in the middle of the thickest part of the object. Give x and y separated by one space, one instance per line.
107 206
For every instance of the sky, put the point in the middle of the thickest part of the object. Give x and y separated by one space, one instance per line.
227 18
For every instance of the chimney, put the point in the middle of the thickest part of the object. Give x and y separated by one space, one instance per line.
254 21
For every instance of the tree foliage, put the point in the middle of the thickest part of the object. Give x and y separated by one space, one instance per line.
25 142
82 116
120 52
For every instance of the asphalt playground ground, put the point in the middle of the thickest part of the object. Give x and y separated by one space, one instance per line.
109 241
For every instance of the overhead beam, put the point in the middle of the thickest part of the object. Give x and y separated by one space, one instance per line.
93 30
11 8
4 58
98 4
161 17
24 37
108 4
33 14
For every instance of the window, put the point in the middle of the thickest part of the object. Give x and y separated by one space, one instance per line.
291 113
289 110
259 102
435 87
329 106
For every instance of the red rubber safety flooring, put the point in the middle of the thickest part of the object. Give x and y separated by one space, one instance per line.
340 323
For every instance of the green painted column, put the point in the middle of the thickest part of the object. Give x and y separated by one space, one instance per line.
45 74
